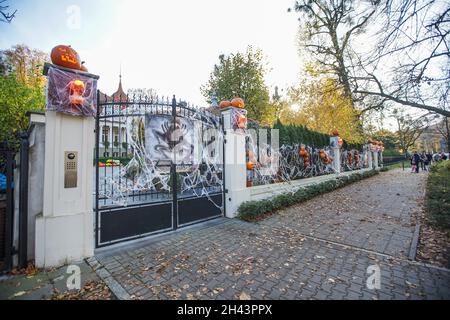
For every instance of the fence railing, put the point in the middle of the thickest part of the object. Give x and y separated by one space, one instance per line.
6 206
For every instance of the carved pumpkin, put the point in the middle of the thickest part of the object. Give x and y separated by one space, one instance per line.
224 104
238 103
335 133
65 56
76 91
250 165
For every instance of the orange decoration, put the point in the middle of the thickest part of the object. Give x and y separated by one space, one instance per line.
224 104
238 103
76 91
335 133
250 165
242 122
83 67
65 56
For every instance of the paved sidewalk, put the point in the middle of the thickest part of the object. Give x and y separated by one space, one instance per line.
314 250
52 284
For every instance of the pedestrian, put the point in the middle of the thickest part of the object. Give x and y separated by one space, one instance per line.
428 159
415 162
423 159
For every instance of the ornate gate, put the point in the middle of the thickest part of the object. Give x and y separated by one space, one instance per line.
159 166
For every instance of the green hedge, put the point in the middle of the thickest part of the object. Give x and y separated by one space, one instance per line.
292 134
256 210
438 195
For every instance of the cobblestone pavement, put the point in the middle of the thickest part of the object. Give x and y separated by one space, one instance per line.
313 250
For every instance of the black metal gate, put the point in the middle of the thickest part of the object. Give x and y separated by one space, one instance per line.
6 206
159 166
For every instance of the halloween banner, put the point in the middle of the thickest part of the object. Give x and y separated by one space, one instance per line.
167 140
71 93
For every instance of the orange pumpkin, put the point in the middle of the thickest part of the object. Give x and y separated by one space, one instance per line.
83 67
250 165
335 133
65 56
224 104
238 103
322 154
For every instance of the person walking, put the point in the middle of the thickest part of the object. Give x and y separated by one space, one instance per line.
429 158
415 162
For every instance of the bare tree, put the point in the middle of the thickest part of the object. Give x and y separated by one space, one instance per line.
409 129
5 14
443 128
414 45
409 63
327 30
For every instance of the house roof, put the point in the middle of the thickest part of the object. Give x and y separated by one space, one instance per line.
118 96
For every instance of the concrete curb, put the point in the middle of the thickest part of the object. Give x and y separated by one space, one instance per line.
112 284
414 243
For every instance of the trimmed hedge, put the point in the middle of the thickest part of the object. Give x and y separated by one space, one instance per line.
257 210
438 195
292 134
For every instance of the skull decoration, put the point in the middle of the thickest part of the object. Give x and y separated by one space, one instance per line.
242 122
76 91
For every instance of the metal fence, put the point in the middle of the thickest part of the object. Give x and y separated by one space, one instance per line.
157 160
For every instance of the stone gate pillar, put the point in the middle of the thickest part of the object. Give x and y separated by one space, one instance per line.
375 159
334 143
369 156
236 191
65 229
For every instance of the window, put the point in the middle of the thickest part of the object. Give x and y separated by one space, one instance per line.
116 135
105 134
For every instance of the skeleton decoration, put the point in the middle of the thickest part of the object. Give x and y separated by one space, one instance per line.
192 141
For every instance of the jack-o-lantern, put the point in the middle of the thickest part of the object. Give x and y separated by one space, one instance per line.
340 142
224 104
242 122
238 103
65 56
335 133
76 91
250 165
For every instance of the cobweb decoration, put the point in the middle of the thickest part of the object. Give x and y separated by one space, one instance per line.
143 179
284 164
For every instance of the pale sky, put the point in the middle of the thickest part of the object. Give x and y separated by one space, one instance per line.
168 45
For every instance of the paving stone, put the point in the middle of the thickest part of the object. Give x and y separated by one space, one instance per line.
274 259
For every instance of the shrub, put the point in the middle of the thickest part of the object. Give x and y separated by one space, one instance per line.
438 195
